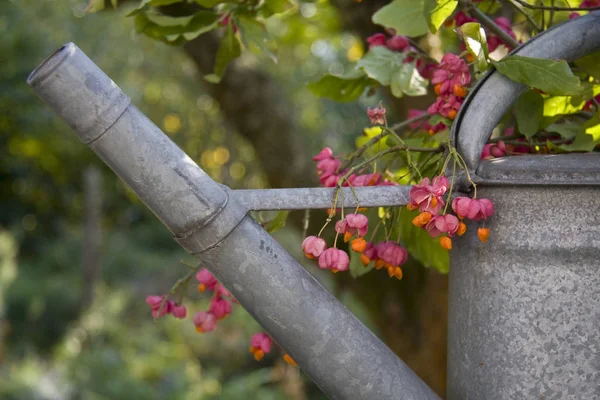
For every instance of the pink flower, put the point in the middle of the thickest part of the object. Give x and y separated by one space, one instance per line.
377 39
450 72
323 154
426 69
179 311
446 106
225 22
397 43
428 197
219 307
357 222
574 15
589 3
155 302
368 254
329 180
475 209
391 253
328 165
206 279
376 115
439 224
334 259
365 180
313 246
205 322
492 150
260 344
461 18
494 41
221 291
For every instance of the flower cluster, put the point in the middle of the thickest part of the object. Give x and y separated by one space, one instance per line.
450 79
585 4
169 307
428 198
389 255
328 169
493 150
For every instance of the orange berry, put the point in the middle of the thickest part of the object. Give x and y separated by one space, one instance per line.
462 228
347 237
201 288
359 245
310 256
421 219
452 114
335 271
446 242
434 202
362 209
364 260
460 91
437 88
470 57
258 355
199 330
289 360
390 271
398 273
411 207
483 234
380 264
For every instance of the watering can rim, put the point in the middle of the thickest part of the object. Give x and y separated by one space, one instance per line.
494 94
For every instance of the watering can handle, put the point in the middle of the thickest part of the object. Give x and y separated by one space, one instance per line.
494 94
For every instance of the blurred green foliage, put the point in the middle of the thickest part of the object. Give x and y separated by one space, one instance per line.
50 346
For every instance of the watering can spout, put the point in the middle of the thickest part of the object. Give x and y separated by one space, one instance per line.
334 348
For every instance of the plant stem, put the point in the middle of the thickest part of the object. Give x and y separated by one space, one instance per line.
491 25
554 8
529 18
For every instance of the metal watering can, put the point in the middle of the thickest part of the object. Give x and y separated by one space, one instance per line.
524 309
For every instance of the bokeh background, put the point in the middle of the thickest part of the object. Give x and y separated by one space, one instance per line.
79 252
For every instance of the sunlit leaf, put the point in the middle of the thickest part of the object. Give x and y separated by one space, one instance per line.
590 64
407 81
586 139
438 11
551 76
474 38
405 16
342 88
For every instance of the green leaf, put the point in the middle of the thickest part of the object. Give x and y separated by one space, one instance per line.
566 130
564 105
407 81
590 64
151 3
174 30
229 49
586 139
95 6
529 110
405 16
253 33
420 245
551 76
473 36
209 3
342 89
271 7
356 266
278 222
437 12
437 118
380 63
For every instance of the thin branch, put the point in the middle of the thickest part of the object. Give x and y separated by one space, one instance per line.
359 152
529 18
555 8
491 25
393 149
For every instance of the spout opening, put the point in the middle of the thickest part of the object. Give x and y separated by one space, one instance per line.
50 63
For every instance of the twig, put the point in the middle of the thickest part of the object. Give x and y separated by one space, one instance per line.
359 152
491 25
555 8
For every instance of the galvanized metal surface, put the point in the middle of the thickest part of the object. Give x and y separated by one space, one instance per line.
494 94
335 349
321 198
524 308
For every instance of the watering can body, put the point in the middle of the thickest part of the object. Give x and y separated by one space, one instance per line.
524 308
